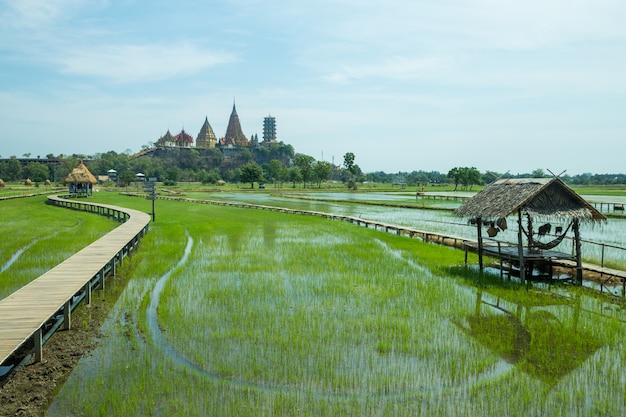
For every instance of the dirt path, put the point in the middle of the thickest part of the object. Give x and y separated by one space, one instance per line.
31 390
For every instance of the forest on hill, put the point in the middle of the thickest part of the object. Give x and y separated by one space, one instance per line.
277 163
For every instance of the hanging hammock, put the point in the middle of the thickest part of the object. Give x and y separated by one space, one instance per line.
549 245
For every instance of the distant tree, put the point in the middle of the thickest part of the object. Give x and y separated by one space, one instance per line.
348 161
351 168
322 171
172 174
272 170
37 172
12 169
231 175
251 172
538 173
305 163
472 177
295 175
125 178
455 175
212 176
468 177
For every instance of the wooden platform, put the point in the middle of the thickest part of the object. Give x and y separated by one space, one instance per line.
24 313
508 253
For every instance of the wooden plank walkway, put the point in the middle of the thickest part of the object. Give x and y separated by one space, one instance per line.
24 313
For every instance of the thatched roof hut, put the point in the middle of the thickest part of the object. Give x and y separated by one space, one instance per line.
80 180
544 199
541 198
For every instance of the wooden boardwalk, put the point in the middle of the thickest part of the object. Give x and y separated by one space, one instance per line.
25 314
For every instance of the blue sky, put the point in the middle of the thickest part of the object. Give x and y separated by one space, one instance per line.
403 84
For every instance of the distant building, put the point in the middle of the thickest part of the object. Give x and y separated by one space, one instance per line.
183 140
166 141
206 138
234 135
231 144
80 181
269 129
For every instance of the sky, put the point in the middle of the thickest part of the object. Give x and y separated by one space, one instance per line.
405 85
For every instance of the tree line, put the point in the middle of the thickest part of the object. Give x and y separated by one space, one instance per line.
277 164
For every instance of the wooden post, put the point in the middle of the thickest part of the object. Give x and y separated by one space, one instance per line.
88 292
67 315
479 225
520 246
579 263
38 336
465 247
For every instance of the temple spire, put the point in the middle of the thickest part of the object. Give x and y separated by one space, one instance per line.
234 134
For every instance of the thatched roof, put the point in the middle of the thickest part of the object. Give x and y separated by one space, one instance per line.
80 175
546 198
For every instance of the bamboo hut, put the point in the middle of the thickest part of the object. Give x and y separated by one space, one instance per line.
535 200
80 181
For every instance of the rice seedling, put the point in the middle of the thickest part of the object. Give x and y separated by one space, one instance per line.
270 314
37 237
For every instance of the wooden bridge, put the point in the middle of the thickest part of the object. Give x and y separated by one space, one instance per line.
29 313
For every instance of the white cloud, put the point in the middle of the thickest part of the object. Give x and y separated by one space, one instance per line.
122 63
37 14
395 68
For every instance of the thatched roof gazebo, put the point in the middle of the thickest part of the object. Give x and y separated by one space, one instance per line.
536 199
80 181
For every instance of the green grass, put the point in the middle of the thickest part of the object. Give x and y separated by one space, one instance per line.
46 236
276 314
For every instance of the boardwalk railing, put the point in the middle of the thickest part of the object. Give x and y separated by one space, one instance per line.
36 310
431 237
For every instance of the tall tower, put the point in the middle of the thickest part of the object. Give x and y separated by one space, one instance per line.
269 129
206 138
234 135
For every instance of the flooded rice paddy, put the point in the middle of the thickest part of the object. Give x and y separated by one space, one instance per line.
251 313
598 238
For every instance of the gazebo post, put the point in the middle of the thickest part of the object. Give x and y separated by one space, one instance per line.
520 246
479 225
579 263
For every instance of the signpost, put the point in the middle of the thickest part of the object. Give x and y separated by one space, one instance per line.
149 187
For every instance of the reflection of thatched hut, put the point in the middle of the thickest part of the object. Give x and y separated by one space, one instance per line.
80 181
533 339
543 199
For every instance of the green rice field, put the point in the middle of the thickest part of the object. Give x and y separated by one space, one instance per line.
236 312
36 237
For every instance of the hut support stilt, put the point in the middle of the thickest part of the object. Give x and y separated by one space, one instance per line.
479 224
579 263
520 246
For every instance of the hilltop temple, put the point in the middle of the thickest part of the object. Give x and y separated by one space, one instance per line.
232 142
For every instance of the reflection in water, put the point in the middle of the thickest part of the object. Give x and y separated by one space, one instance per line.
531 337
